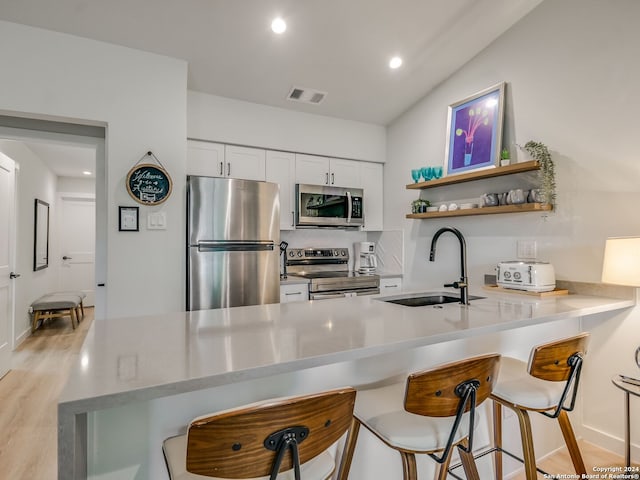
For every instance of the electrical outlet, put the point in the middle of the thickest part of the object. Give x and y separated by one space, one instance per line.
527 249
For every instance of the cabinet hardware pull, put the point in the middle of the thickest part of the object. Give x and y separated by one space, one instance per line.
333 178
221 171
228 169
293 293
391 286
293 219
326 178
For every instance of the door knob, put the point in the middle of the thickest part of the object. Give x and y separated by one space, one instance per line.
14 275
66 258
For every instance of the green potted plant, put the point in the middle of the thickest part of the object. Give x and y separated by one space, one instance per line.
546 174
505 157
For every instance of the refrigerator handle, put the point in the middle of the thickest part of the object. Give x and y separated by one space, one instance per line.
226 246
349 207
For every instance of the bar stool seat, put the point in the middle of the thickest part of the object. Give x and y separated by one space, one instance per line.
382 410
431 413
548 385
516 386
278 439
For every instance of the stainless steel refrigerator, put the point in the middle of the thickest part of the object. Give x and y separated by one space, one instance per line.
233 236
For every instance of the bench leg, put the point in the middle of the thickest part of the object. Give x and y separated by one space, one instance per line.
36 317
73 315
82 308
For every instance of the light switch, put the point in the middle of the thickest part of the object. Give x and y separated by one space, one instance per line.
157 221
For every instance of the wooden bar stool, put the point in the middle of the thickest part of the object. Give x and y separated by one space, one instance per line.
257 441
433 412
548 384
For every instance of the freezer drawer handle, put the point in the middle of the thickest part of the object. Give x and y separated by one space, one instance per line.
235 246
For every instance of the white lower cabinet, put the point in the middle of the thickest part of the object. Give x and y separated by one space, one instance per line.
298 292
390 285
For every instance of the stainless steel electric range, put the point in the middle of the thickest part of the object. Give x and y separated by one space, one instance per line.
328 272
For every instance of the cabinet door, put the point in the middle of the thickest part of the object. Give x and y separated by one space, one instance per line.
312 169
372 184
205 158
390 286
243 162
344 173
294 293
281 169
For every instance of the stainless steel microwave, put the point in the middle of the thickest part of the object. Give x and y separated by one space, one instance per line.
322 206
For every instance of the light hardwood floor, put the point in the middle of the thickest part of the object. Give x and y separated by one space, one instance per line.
29 395
29 399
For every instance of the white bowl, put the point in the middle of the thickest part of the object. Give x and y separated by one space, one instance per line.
432 209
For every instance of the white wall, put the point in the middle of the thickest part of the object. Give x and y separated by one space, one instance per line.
141 99
34 180
226 120
76 185
572 84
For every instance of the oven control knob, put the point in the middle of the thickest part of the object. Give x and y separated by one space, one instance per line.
299 254
335 253
291 254
343 253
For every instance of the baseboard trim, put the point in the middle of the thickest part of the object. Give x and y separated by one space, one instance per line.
609 442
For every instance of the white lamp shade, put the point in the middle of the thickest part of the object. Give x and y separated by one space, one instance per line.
621 264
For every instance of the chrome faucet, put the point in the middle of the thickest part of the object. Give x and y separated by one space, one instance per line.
463 284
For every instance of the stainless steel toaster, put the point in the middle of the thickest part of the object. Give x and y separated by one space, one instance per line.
526 275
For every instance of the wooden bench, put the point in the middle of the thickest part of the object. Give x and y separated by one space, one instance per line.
58 304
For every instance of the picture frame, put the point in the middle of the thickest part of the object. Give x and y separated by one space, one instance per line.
128 219
474 131
40 235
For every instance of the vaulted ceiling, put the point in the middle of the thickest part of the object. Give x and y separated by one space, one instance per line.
341 47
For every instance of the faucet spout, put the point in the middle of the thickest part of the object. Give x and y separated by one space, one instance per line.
463 284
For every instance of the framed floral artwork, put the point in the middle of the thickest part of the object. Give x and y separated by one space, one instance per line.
474 131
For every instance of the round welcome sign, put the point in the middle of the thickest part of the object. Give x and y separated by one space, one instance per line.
149 184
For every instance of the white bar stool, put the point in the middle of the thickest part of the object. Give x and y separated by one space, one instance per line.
433 412
547 384
256 441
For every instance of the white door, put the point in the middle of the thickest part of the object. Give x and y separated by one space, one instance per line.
77 233
7 219
281 169
312 169
344 173
205 158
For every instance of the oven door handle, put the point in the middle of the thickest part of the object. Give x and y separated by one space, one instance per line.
325 296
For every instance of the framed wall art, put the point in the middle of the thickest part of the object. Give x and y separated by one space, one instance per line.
474 131
128 220
149 183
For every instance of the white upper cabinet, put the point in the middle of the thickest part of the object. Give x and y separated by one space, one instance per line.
312 169
218 160
246 163
316 170
205 158
281 169
372 184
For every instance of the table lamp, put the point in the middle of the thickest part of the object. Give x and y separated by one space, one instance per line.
621 265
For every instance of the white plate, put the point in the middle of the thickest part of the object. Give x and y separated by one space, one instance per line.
467 206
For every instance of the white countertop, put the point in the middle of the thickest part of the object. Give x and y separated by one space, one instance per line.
132 359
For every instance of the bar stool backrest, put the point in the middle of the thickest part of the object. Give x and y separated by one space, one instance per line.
240 443
550 361
432 392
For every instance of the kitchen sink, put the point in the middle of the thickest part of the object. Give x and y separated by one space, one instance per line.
422 300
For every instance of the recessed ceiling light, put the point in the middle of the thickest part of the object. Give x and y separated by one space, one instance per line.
278 25
86 172
395 62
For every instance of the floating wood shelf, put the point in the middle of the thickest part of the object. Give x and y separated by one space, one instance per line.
469 177
520 208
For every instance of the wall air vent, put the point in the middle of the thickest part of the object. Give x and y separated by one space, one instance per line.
306 95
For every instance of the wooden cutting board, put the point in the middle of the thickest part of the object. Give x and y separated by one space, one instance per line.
552 293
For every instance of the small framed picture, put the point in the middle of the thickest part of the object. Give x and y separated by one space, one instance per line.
128 219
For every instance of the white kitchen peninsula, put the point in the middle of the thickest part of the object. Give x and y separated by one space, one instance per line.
171 368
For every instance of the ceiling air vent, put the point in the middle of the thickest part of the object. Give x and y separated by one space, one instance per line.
306 95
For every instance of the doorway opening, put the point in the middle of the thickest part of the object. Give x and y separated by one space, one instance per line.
50 160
